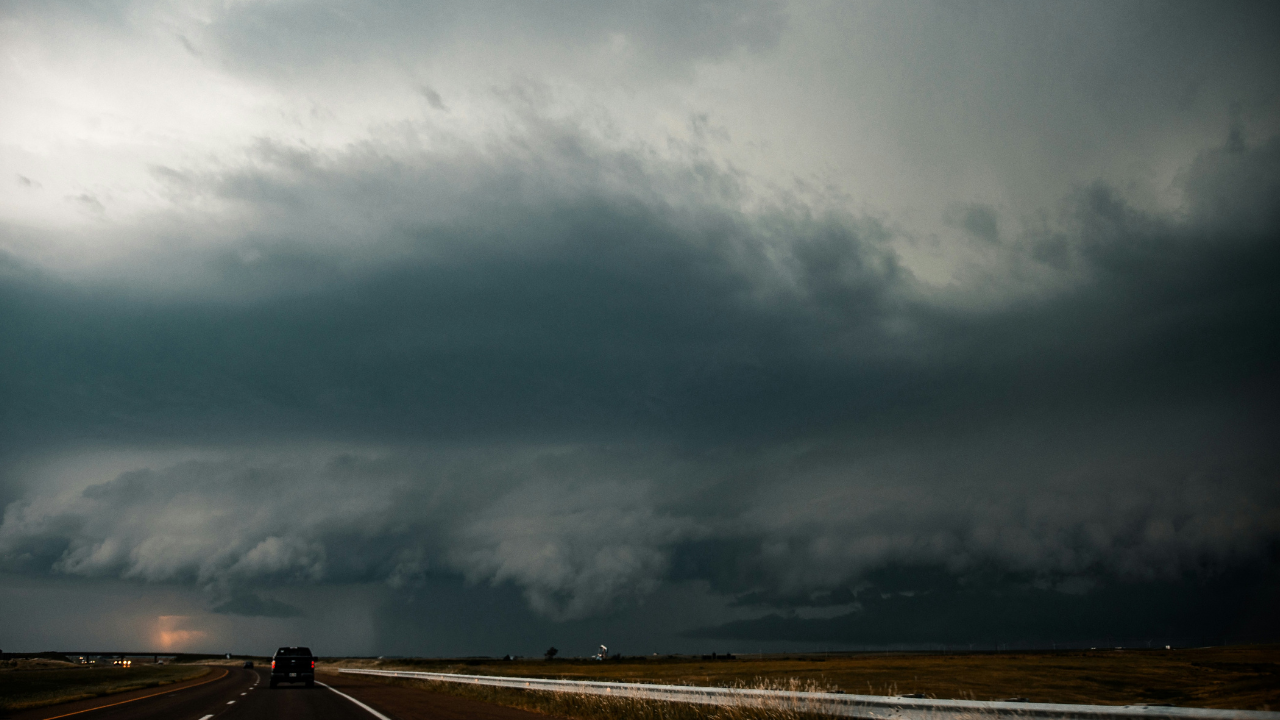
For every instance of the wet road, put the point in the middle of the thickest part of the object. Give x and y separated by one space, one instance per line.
243 694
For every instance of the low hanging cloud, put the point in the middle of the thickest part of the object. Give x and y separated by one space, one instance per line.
586 372
577 548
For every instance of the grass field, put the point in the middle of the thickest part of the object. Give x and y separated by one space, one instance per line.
28 688
580 706
1245 677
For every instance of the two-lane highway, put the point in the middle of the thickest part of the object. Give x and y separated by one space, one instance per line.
244 694
287 702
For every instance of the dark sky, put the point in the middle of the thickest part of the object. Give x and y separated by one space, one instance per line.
475 328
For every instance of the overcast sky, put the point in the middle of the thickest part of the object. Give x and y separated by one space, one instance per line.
480 327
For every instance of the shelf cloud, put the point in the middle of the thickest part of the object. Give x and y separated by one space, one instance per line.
426 297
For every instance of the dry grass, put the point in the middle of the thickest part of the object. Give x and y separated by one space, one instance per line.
28 687
1245 677
582 706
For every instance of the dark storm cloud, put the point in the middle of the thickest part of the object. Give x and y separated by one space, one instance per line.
585 372
588 301
253 606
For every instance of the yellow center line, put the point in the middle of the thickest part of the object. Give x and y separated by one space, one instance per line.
144 697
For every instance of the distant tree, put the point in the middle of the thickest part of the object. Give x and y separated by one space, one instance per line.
552 652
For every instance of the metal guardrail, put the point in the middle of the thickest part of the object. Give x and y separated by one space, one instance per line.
871 707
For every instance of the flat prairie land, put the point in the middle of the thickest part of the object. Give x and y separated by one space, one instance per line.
28 688
1240 677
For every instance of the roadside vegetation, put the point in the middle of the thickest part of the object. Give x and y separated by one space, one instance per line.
36 683
582 706
1243 677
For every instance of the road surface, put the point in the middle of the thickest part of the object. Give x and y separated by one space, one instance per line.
243 694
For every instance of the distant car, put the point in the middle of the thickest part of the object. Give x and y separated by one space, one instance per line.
293 664
248 664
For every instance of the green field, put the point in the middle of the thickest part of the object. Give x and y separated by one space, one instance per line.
21 688
1244 677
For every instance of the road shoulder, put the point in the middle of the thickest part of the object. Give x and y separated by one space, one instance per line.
408 703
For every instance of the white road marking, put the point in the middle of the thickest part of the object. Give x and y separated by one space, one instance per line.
242 694
233 702
372 712
206 717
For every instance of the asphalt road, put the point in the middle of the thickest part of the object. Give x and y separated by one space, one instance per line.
243 694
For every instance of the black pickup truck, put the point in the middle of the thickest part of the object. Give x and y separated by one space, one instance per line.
293 664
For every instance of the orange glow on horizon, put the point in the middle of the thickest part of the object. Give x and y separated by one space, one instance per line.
171 635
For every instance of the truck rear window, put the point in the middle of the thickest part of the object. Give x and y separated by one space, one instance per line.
305 652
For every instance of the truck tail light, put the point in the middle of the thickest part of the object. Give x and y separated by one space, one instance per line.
273 664
313 664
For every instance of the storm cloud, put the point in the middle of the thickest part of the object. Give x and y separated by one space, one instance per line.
541 351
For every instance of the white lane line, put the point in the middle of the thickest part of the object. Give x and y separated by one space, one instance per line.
233 702
372 712
206 717
243 694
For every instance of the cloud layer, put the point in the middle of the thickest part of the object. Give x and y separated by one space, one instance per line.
509 334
